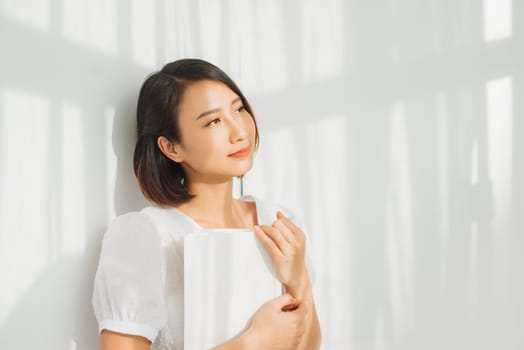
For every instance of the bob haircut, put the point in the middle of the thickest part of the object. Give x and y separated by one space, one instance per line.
162 180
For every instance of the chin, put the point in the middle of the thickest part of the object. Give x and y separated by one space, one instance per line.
243 171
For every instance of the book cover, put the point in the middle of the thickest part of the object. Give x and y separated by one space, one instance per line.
228 275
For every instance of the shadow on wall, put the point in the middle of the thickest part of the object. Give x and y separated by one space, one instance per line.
127 195
56 310
61 293
73 103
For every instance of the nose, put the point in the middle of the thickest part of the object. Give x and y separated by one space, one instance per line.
237 131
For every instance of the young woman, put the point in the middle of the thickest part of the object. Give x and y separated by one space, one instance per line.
195 132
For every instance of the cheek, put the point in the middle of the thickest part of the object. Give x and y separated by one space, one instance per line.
204 144
250 126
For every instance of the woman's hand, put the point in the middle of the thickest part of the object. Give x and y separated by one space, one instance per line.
278 324
274 328
286 244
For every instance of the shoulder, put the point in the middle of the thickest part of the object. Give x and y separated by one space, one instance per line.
166 223
129 232
131 219
170 223
128 224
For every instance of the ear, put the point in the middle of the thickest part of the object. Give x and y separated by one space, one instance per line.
170 149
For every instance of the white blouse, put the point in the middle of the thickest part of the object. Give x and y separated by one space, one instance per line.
139 283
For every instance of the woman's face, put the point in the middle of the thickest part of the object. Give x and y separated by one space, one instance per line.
214 124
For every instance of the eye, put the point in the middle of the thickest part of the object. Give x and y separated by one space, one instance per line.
212 122
241 109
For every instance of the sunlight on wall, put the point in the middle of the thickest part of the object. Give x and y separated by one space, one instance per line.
274 164
405 42
111 164
211 16
436 27
234 32
24 216
326 174
179 40
143 31
399 223
497 19
473 285
73 237
257 30
33 13
499 113
322 43
474 175
442 113
91 23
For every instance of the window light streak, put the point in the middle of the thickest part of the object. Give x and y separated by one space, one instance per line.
211 24
274 164
497 19
179 40
474 177
235 31
499 114
91 23
437 27
399 224
33 13
322 42
325 149
262 49
111 164
73 230
378 337
24 184
442 154
473 263
143 33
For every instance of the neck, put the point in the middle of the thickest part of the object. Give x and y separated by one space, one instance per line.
213 205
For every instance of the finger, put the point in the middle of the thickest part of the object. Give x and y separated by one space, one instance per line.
289 307
286 232
277 237
268 243
298 307
297 232
285 299
286 302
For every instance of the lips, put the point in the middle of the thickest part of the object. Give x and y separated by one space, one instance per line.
241 153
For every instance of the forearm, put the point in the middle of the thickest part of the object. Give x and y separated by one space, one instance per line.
312 334
241 341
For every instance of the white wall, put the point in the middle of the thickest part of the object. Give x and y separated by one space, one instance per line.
393 127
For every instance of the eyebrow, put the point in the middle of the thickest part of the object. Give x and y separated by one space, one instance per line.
211 111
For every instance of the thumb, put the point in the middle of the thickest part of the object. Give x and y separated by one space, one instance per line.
286 302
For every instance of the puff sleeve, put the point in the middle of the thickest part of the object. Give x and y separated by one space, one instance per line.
128 292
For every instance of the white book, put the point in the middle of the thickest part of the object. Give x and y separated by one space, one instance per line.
228 275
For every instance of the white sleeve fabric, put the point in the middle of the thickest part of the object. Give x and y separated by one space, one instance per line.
128 292
297 221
